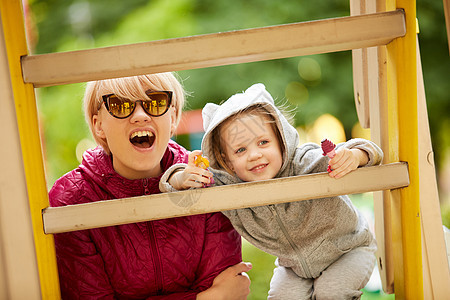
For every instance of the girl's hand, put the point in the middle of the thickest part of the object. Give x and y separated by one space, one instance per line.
192 176
232 283
347 160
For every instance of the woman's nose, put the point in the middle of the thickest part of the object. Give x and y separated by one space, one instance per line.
139 113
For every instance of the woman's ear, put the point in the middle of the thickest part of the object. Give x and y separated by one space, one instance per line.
97 126
173 123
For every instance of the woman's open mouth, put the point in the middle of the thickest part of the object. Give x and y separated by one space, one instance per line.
142 139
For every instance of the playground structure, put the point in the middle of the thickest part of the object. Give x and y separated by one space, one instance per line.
389 98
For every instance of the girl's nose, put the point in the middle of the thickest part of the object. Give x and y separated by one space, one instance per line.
254 155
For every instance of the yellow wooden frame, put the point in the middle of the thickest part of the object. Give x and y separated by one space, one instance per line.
17 256
390 31
27 121
405 206
375 69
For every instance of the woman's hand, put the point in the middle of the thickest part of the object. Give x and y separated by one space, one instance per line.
233 284
192 176
347 160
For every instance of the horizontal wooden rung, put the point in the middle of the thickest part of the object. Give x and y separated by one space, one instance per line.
249 45
205 200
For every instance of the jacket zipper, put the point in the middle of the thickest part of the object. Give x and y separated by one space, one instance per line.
155 253
291 242
145 184
156 258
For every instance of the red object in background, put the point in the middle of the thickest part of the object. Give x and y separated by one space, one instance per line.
191 122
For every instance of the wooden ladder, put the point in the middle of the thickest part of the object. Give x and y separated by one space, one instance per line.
389 99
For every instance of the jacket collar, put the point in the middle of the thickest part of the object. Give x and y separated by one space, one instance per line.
97 166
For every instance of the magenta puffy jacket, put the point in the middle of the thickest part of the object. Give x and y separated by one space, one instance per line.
164 259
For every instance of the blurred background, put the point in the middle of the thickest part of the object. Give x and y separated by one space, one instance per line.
317 88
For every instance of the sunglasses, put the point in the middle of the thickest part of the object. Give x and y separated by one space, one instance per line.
156 105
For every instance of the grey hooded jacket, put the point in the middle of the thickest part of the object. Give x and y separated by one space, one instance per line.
306 236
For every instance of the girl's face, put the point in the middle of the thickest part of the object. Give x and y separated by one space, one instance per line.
252 149
138 142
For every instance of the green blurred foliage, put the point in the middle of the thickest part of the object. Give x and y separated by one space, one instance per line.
62 117
261 272
445 210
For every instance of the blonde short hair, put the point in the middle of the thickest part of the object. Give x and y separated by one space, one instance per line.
132 88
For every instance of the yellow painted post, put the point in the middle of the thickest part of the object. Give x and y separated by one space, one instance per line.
409 151
403 132
25 102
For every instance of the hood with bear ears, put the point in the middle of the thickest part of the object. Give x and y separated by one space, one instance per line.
213 115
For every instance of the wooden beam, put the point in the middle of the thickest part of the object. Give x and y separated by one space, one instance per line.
19 274
198 201
434 254
408 206
447 20
360 70
273 42
379 134
373 85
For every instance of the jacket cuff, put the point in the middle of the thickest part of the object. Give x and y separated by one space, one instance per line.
164 185
373 151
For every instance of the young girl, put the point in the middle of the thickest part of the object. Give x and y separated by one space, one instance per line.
324 247
195 257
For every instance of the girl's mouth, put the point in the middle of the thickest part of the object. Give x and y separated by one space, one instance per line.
258 168
142 139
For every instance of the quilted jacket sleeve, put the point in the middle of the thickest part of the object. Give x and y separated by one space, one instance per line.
222 249
81 269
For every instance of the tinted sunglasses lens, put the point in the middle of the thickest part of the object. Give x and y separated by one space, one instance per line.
120 108
157 104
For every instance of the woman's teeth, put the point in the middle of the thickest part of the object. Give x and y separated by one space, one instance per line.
141 134
142 139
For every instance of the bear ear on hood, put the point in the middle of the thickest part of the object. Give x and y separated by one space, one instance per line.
256 91
208 113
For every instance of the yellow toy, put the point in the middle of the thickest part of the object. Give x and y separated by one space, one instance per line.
201 162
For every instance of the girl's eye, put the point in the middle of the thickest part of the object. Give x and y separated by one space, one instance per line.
261 143
240 150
